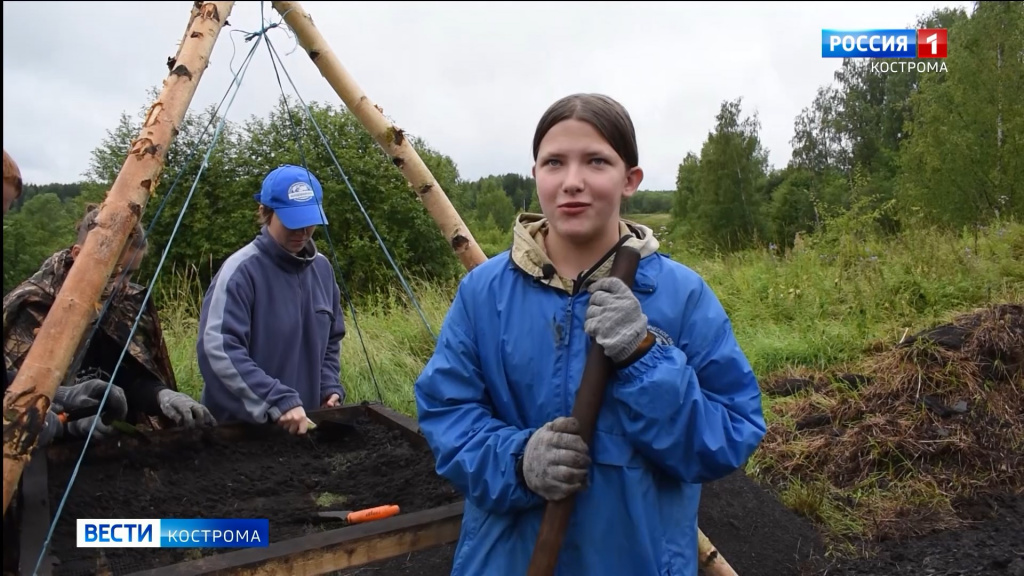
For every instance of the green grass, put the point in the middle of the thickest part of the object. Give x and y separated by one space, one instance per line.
814 307
823 304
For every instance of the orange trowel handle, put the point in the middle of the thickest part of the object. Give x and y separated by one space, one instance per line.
370 514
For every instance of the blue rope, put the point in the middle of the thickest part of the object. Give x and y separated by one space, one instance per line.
236 82
330 243
355 196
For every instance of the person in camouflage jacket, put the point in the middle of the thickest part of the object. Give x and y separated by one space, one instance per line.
145 391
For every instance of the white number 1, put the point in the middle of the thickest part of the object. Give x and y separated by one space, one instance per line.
934 41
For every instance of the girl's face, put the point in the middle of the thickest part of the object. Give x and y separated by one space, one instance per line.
581 181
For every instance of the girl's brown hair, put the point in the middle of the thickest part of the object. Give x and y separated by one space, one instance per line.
605 114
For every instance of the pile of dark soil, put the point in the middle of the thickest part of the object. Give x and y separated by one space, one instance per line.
893 440
754 532
990 544
286 479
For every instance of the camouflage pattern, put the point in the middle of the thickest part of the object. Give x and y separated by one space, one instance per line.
26 306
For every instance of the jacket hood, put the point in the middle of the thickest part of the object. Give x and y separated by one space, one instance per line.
529 255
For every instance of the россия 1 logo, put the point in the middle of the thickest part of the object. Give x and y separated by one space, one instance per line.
925 43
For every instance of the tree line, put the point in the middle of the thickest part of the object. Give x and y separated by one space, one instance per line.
898 147
896 144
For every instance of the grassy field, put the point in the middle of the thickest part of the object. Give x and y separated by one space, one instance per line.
824 304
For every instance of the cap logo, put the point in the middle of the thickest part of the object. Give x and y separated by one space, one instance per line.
299 192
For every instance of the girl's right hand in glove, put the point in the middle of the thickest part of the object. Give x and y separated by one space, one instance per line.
556 460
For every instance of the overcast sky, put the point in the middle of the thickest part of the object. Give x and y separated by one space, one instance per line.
470 78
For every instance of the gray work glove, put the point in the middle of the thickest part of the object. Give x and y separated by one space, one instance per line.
614 318
556 460
52 427
183 410
86 395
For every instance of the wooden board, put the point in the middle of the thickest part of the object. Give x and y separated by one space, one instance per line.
318 553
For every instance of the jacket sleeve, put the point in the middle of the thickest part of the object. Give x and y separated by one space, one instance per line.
22 319
224 346
696 414
474 451
330 370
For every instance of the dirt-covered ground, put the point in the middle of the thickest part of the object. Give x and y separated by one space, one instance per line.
286 479
760 537
913 456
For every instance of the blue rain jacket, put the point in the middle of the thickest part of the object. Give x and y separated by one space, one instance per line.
510 357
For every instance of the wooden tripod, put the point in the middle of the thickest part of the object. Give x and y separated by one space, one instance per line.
28 398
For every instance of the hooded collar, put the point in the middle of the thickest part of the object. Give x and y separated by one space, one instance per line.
529 255
283 258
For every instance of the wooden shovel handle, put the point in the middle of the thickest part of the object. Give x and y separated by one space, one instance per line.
585 410
709 559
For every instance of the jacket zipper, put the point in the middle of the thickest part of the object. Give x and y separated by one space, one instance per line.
568 353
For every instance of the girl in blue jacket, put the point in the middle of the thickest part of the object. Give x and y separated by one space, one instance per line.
682 406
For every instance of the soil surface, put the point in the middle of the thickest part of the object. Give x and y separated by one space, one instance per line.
272 475
755 548
753 531
759 536
992 544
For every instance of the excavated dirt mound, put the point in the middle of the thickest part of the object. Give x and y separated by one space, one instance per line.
272 475
990 545
893 440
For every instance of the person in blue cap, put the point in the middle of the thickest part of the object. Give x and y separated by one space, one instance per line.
271 324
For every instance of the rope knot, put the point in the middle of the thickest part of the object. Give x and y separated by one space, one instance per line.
261 32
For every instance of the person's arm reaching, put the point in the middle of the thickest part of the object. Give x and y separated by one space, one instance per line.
225 332
474 450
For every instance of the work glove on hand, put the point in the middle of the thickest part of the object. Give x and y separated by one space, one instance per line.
556 460
86 395
614 318
183 410
52 427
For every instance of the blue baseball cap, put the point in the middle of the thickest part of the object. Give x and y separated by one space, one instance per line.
295 195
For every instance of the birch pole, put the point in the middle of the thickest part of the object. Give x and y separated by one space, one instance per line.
28 398
404 156
386 133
